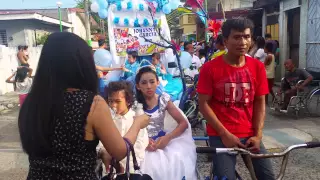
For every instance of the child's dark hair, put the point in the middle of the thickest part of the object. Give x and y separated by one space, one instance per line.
25 47
156 55
21 74
202 53
134 54
139 95
269 46
238 24
260 42
186 45
120 86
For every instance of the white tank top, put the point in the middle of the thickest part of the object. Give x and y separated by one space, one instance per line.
271 68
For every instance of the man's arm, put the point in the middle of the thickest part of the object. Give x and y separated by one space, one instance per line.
259 112
209 115
308 78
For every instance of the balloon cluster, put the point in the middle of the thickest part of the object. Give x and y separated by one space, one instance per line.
130 22
100 7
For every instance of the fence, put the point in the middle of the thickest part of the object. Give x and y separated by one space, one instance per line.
9 64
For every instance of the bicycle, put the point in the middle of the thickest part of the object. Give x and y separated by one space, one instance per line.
248 156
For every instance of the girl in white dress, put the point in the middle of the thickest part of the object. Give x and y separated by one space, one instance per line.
170 154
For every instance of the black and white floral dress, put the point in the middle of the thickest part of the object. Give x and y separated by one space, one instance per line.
73 156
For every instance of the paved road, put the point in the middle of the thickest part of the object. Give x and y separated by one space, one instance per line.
280 131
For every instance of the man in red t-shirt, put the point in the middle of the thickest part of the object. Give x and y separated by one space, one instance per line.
232 91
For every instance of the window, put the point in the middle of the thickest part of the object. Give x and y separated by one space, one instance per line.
190 19
3 37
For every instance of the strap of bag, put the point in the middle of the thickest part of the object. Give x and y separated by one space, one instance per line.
135 162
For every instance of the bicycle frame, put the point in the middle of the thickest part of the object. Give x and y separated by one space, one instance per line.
248 155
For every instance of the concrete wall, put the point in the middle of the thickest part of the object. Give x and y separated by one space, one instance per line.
236 4
9 63
78 25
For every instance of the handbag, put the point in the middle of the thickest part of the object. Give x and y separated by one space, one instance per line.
126 175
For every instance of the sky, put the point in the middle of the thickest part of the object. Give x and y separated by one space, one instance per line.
35 4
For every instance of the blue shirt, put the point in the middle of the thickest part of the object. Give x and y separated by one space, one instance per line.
133 68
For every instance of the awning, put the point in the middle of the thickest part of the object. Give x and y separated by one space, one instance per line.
230 14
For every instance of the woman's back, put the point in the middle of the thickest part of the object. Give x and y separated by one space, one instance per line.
73 156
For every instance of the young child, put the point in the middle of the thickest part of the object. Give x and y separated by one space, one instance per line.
160 69
170 154
131 66
22 82
120 99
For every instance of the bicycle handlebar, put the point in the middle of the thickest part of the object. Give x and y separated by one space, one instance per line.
244 151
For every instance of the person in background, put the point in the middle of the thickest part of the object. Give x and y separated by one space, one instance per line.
120 98
102 64
260 54
182 46
277 55
232 91
196 63
253 49
160 69
220 46
202 55
22 82
63 118
268 38
131 66
25 51
269 64
290 86
22 57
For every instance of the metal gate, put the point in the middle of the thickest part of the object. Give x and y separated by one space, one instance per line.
313 36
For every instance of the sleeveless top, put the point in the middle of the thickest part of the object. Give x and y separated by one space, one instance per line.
73 156
157 115
270 69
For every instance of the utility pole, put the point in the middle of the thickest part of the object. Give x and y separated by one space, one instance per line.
87 21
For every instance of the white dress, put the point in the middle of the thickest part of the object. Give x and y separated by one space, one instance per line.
178 159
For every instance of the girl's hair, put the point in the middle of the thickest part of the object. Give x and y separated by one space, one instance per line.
260 42
139 95
125 86
21 74
156 55
269 47
66 61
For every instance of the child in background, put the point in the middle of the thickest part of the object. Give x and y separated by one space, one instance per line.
202 55
22 82
131 66
160 69
120 99
170 154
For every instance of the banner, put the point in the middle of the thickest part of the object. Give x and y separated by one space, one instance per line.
131 39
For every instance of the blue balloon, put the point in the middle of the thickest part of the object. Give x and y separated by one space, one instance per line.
174 4
166 9
141 8
103 13
185 59
103 4
155 22
136 23
129 5
145 22
103 58
116 20
119 6
126 21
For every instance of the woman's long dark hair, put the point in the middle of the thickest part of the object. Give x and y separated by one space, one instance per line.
139 96
66 61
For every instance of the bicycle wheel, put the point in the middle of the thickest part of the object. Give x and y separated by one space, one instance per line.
313 105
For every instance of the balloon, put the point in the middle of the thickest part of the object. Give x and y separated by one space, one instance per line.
126 21
145 22
124 5
131 22
94 7
185 59
103 58
116 20
174 4
129 5
103 4
166 9
103 13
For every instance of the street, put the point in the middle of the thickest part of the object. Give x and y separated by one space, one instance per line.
280 131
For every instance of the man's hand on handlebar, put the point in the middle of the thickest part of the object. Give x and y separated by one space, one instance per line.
253 144
230 141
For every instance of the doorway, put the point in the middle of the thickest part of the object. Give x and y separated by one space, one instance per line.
294 34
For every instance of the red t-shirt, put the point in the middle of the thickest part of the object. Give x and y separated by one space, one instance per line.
233 90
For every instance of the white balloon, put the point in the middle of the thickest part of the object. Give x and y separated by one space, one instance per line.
145 6
94 7
150 22
131 22
121 22
124 5
155 4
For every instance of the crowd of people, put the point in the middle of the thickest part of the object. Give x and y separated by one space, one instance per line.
72 115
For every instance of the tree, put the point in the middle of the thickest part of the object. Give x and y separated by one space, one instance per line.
42 39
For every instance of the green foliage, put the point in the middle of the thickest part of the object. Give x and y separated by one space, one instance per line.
42 39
